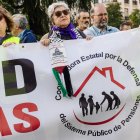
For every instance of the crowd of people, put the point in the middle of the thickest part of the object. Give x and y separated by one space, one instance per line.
13 28
59 15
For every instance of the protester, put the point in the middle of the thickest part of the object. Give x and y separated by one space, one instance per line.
126 25
62 29
83 20
6 26
20 29
100 26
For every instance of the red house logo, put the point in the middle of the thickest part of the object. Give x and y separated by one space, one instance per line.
101 72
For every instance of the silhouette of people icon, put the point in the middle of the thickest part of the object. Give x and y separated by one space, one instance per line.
91 104
97 107
83 104
109 99
116 99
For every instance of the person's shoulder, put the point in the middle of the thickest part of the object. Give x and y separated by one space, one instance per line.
10 38
28 37
113 29
82 34
28 32
89 31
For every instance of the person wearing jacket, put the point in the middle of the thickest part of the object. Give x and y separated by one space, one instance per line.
20 29
62 29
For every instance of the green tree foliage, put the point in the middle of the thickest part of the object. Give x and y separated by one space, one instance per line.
38 19
85 4
7 5
114 14
135 18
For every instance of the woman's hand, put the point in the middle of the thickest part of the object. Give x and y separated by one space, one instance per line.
45 42
8 44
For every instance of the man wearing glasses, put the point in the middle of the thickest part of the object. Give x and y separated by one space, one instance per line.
99 17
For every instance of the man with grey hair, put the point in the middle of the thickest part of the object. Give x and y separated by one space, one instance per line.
20 29
82 19
99 17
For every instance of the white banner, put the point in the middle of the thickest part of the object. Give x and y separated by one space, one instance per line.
105 74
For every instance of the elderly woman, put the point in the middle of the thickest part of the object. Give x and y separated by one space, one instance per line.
62 28
6 26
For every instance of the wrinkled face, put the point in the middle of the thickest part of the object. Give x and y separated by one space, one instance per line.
83 21
61 17
100 17
3 25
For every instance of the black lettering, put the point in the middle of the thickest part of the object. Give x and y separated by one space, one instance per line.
10 81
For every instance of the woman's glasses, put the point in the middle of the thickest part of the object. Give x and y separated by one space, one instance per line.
59 13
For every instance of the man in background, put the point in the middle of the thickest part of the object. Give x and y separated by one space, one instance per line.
99 18
126 25
20 29
82 20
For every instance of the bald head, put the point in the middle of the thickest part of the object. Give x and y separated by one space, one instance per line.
99 8
99 16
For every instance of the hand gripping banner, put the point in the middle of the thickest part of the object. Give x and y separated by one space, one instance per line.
105 76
